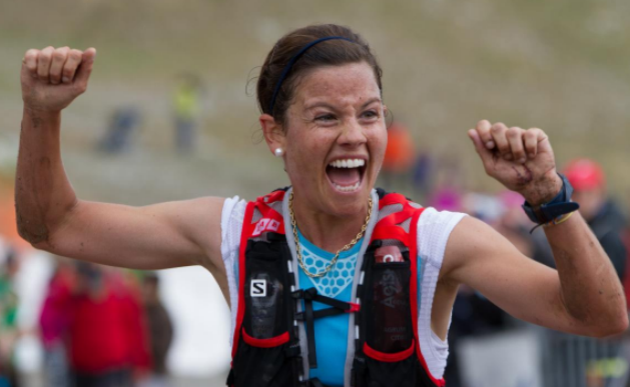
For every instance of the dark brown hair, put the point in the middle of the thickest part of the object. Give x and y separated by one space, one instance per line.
333 52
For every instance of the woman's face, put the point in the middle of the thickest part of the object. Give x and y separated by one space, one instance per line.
335 138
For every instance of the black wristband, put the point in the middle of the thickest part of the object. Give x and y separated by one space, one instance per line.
559 205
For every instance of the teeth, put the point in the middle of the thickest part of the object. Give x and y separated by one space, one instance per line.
348 163
349 188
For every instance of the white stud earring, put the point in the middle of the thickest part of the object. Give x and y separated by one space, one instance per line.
279 152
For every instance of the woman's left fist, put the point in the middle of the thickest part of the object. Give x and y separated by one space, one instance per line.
522 160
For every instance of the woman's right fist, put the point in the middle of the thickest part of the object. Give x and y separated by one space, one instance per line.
53 78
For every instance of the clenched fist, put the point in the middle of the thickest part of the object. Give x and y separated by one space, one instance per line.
522 160
53 78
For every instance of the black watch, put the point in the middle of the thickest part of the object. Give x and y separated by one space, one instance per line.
559 205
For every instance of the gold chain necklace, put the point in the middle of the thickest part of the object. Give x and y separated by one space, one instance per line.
336 257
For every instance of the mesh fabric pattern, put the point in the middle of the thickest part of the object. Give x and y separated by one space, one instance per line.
332 284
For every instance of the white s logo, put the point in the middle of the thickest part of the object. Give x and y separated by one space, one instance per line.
258 288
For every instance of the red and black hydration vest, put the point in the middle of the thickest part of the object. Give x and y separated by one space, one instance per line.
274 338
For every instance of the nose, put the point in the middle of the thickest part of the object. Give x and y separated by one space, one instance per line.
352 134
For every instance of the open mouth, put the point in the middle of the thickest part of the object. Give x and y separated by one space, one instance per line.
346 175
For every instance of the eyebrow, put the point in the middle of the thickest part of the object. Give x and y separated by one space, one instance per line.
371 101
327 105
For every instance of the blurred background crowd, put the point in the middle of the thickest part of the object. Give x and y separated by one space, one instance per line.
170 114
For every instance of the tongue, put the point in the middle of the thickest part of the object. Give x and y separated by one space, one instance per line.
344 176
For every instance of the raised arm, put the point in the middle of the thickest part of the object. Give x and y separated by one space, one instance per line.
50 216
584 296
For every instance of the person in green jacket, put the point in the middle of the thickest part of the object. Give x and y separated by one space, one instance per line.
186 110
8 319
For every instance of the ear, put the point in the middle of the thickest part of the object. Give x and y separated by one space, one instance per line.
273 132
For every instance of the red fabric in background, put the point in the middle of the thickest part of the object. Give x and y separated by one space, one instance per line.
56 310
109 333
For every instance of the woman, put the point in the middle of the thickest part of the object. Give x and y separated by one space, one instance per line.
331 282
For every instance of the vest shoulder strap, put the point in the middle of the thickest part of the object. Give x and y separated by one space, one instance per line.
397 220
264 215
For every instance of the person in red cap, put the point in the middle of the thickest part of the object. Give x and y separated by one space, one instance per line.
602 214
588 182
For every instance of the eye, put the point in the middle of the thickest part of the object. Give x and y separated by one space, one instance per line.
325 117
370 114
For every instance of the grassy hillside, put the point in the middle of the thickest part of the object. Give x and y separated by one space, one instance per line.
562 66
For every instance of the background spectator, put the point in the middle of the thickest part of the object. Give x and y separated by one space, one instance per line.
160 331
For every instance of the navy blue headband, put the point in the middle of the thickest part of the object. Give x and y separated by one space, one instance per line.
292 62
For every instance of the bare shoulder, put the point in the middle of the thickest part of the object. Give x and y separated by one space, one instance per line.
473 243
199 220
481 258
203 209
